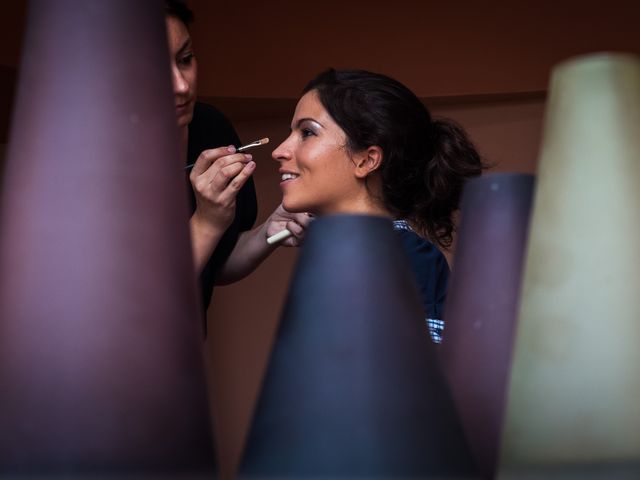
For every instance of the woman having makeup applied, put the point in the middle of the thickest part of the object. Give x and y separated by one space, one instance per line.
363 143
225 245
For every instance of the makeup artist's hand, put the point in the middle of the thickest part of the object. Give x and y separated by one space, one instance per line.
217 176
296 223
251 248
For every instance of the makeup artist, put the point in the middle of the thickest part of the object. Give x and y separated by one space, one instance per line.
363 143
223 200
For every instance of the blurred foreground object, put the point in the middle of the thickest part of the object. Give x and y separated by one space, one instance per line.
353 389
482 305
573 405
101 370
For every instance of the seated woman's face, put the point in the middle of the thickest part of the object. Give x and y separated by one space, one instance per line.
317 172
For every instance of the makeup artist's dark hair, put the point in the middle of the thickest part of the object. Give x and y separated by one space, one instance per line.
425 161
178 9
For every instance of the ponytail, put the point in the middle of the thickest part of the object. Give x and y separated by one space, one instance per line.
454 161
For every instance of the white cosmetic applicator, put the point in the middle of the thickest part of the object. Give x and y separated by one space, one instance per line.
283 234
278 237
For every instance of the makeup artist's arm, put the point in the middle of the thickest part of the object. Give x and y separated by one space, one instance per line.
252 247
216 177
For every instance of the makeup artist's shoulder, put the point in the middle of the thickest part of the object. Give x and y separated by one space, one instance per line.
208 120
209 112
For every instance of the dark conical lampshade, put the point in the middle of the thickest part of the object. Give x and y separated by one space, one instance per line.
101 369
353 389
482 304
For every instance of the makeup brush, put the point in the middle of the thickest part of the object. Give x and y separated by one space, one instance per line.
262 141
257 143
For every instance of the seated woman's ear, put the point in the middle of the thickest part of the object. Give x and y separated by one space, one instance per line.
368 161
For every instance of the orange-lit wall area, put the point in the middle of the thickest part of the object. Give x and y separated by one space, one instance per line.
457 47
484 64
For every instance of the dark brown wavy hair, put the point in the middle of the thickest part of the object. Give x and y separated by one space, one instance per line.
178 9
425 161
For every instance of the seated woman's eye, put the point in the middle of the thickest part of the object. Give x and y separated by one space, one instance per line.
306 132
186 59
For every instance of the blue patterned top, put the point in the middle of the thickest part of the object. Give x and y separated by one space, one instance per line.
431 272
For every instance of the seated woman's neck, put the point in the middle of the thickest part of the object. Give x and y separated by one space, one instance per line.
369 199
364 204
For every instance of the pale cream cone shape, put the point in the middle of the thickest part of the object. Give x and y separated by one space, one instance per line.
574 395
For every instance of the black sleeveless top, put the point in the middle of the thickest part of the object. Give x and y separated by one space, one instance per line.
211 129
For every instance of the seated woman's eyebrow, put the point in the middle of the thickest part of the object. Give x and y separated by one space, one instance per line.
185 46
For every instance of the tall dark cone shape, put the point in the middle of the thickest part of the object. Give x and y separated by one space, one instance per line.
100 352
482 305
353 388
